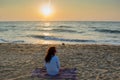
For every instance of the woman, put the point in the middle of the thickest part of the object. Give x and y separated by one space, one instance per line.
52 63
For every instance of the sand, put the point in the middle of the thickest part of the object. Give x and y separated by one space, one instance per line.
94 62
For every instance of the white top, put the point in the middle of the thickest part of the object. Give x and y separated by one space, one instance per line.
53 66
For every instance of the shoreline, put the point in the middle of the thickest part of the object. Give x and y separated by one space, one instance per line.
92 61
99 44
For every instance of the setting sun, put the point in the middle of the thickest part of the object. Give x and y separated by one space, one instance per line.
46 10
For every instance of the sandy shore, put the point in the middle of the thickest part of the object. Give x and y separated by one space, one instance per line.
94 62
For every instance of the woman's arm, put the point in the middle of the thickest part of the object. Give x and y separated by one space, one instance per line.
58 63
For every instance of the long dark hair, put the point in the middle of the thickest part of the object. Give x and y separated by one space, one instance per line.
50 53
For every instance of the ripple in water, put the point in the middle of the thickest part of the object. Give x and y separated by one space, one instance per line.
60 39
108 31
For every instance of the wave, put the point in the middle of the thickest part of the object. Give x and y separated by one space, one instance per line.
61 26
10 26
18 41
3 40
108 31
7 41
59 30
60 39
2 30
63 30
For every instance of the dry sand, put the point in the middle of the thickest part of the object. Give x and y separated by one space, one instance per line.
94 62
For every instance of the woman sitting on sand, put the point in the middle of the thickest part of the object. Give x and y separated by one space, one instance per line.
52 63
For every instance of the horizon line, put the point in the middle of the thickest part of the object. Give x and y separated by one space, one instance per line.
60 21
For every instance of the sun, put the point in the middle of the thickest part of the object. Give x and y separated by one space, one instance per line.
46 10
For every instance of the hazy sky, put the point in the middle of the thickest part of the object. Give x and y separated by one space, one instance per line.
63 10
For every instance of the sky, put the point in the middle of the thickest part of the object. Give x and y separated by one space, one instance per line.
63 10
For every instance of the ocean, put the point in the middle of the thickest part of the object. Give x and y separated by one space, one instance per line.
58 32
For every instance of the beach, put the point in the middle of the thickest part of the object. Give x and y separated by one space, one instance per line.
93 61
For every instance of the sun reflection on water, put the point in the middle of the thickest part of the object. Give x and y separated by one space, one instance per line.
47 24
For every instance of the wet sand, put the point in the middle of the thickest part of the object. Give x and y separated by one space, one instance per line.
94 62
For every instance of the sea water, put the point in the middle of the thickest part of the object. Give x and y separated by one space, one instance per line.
57 32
